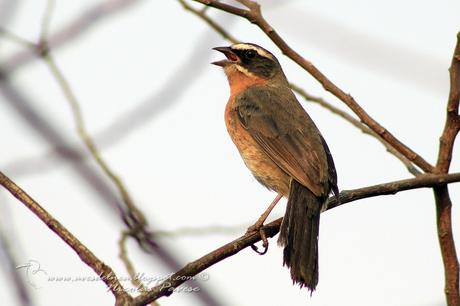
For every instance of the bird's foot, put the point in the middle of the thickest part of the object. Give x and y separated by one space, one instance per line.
258 227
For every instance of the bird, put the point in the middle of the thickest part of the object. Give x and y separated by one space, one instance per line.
284 150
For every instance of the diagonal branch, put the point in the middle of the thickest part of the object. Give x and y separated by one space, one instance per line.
101 269
167 287
254 15
202 14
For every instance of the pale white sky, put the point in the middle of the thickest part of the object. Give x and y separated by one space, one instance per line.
155 106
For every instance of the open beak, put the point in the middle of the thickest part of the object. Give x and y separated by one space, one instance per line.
229 54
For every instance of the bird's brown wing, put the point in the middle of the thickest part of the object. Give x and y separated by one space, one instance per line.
285 132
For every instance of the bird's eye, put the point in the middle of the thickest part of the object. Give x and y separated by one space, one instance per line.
249 54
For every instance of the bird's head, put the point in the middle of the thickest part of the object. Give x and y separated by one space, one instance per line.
250 60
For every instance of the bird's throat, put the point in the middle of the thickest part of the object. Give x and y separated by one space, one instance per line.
239 79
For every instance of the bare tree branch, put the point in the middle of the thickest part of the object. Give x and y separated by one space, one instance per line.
167 287
441 193
447 244
452 125
104 271
254 15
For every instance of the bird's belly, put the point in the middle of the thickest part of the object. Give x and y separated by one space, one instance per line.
261 166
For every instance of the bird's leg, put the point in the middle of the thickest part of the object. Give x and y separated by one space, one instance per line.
260 222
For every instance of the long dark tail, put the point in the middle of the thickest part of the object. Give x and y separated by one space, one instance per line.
299 235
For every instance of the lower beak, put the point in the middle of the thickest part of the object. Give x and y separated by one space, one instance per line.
221 63
227 51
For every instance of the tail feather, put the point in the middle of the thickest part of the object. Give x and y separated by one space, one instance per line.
299 235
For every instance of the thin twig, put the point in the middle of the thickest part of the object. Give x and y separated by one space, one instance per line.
202 14
16 39
254 15
46 21
104 271
123 254
129 265
167 287
137 215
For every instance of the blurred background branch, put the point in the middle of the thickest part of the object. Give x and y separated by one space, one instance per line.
131 215
10 262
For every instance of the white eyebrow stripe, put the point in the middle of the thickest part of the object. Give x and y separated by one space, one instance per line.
260 51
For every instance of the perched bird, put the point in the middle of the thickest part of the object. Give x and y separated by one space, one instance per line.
284 150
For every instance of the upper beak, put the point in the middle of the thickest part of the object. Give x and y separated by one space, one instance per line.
229 54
